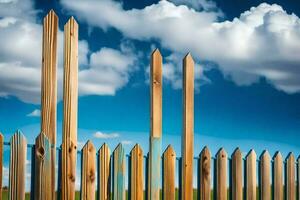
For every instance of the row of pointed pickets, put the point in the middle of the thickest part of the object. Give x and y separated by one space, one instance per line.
236 178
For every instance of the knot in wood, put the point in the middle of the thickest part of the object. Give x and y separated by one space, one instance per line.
40 152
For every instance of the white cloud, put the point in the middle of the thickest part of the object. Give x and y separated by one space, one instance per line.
34 113
127 142
102 135
262 42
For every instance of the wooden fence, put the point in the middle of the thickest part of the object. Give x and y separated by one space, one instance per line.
103 172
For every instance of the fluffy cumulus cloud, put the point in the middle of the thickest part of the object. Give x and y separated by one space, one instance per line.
20 58
102 135
262 42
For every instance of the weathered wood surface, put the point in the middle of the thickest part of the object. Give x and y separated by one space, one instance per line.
169 159
49 87
237 175
17 166
1 163
136 172
42 176
69 145
251 176
265 170
277 177
204 187
188 128
154 173
104 175
119 173
88 171
290 177
221 175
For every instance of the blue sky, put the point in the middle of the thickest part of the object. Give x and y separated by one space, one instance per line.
247 70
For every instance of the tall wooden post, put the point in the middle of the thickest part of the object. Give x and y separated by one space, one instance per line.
69 145
188 128
49 89
155 126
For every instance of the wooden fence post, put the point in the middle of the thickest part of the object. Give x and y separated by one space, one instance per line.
104 173
49 90
136 173
1 163
251 175
265 170
204 187
237 175
298 177
119 173
17 166
88 171
169 159
155 126
277 177
221 175
69 145
42 166
188 128
290 177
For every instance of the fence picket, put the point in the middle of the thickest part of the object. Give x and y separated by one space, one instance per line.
221 175
155 126
237 175
204 190
136 172
88 171
169 159
265 169
42 166
298 177
17 166
290 177
277 177
104 173
1 163
251 175
119 173
69 145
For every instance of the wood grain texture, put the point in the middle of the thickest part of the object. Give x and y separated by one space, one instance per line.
221 175
277 177
188 128
70 98
237 175
204 186
251 175
1 163
104 175
290 177
42 176
169 159
88 171
298 177
136 173
154 173
49 87
17 166
265 170
119 173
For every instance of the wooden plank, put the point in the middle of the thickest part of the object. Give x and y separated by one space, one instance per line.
290 177
49 87
42 180
69 145
119 173
221 175
136 172
17 166
188 128
169 159
204 186
88 171
251 175
237 175
155 126
277 177
298 177
265 182
104 173
1 163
